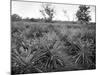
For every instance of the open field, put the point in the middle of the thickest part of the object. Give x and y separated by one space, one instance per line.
48 47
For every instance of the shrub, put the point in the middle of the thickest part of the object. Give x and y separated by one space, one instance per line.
15 17
86 54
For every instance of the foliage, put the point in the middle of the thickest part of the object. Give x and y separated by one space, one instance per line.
32 19
43 48
83 14
47 12
15 17
30 54
84 50
84 56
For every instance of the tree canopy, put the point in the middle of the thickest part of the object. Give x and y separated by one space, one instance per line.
83 14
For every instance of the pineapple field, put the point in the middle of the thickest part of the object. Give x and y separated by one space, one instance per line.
50 47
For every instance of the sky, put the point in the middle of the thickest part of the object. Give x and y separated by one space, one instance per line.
32 10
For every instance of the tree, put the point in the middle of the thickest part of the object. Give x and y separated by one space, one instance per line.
47 12
15 17
83 14
65 14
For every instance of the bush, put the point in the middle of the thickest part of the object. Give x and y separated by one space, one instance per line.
15 17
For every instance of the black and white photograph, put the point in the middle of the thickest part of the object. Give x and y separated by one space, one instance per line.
52 37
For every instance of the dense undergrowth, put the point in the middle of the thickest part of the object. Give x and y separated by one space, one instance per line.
34 48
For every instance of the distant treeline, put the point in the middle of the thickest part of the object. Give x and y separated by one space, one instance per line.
16 17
